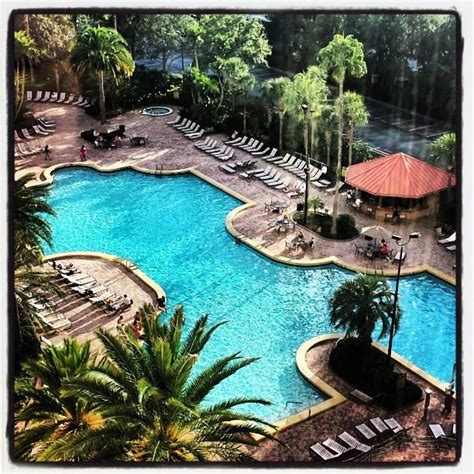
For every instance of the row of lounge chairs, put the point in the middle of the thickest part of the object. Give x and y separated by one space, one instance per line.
47 313
252 145
93 290
232 168
43 128
58 98
210 146
190 129
440 437
380 432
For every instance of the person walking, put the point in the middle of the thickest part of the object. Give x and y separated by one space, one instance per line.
83 153
47 153
448 401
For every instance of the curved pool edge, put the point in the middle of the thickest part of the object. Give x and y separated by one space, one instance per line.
248 204
322 386
126 264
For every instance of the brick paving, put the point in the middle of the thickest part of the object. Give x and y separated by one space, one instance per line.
168 149
87 317
297 439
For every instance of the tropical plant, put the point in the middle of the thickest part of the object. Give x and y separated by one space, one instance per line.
443 151
151 400
343 56
25 48
328 123
49 414
317 203
101 51
31 231
274 93
357 116
361 303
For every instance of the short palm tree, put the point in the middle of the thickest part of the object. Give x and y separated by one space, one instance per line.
102 51
152 401
48 413
359 304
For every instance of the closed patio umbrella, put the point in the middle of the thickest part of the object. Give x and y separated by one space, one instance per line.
377 232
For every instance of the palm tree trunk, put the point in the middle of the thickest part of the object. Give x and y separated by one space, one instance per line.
280 132
328 137
339 159
351 137
56 74
196 61
245 119
165 60
100 75
221 86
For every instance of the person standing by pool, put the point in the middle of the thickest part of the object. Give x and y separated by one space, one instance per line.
83 153
448 401
47 153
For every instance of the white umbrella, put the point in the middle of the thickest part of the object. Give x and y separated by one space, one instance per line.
377 232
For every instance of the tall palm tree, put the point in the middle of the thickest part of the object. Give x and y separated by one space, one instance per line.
357 115
152 401
359 304
328 124
344 55
49 413
102 51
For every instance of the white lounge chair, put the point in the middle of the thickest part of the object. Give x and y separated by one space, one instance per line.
227 169
70 99
25 133
299 191
437 431
336 447
38 96
291 162
273 181
53 97
283 185
393 424
354 442
272 154
333 189
255 148
184 124
449 240
17 137
79 100
234 138
262 171
210 146
39 131
280 160
85 103
322 453
61 98
261 153
29 96
240 141
227 155
379 425
205 142
267 176
249 143
176 120
46 96
365 431
196 135
250 147
191 129
297 168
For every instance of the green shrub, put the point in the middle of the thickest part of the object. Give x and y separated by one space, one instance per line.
345 225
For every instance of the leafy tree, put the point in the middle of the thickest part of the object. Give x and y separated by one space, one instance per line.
328 124
359 304
54 35
99 51
275 93
357 115
204 89
25 48
343 56
194 32
162 35
151 401
443 151
51 414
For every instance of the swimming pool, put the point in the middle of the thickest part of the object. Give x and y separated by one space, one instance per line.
173 229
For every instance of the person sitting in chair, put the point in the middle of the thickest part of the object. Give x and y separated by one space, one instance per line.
383 248
396 215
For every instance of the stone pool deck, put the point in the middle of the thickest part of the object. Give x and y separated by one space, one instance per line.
169 150
119 277
344 417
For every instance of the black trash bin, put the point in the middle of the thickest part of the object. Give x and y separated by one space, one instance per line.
300 206
122 128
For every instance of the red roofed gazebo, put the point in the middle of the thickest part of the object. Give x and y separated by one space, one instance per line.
399 181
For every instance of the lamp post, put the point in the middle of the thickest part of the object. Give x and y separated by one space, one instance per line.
304 106
401 244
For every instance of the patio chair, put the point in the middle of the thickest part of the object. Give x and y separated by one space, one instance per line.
184 124
366 432
53 97
450 240
451 248
70 99
261 153
291 163
297 168
86 286
61 98
280 161
227 169
379 425
79 100
176 120
25 133
39 131
205 142
271 181
191 128
29 96
336 447
226 155
275 182
283 185
46 96
394 425
234 138
47 124
239 141
321 452
58 322
270 155
38 96
269 176
400 256
249 143
212 146
263 171
17 137
298 192
101 299
255 148
354 442
84 104
196 135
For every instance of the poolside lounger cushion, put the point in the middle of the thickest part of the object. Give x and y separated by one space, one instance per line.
365 431
379 425
354 442
335 446
322 452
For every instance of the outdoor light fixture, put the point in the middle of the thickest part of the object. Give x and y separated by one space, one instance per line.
396 237
415 235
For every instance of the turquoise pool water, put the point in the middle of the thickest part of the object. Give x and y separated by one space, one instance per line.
173 229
